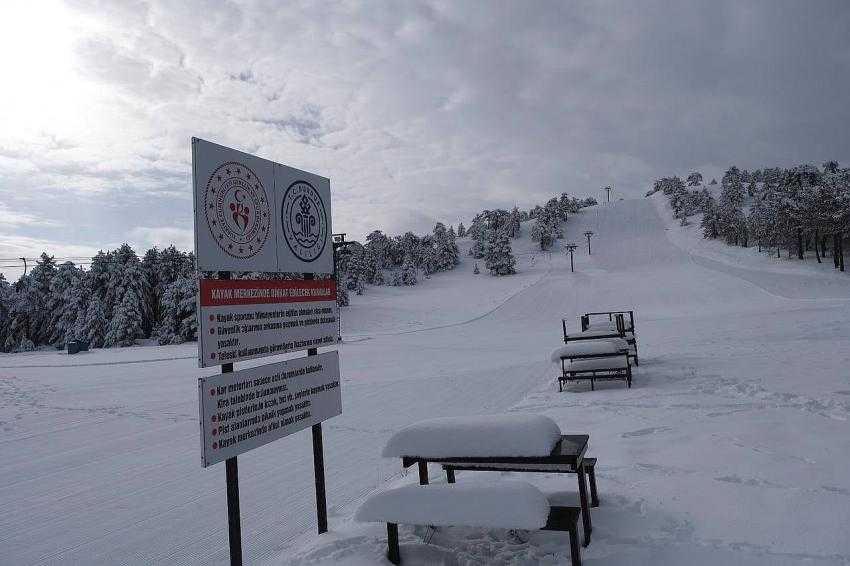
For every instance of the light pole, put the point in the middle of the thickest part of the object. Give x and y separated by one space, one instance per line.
588 234
571 248
607 193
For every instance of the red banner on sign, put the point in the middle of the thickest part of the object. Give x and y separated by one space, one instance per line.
233 292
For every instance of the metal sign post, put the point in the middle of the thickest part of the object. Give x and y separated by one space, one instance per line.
234 519
319 462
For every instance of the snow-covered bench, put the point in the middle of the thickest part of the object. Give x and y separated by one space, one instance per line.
613 321
503 443
602 358
500 505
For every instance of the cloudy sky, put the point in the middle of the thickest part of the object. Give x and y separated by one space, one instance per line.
416 111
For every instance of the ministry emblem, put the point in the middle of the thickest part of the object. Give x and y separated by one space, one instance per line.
305 221
237 210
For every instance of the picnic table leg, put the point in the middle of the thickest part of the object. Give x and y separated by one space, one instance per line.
393 553
594 495
423 473
585 506
575 549
450 475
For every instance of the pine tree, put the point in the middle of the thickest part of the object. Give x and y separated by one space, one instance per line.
461 231
378 245
397 279
695 179
500 259
475 269
67 302
444 254
6 297
179 321
39 297
408 271
92 327
127 285
151 271
514 228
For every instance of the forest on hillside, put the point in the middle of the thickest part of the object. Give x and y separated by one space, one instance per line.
117 297
800 209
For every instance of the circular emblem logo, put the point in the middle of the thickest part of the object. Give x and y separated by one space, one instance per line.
305 221
237 210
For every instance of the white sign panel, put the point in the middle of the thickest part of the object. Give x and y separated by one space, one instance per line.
252 214
246 409
245 319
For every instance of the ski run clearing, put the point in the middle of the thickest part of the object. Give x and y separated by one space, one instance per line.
732 447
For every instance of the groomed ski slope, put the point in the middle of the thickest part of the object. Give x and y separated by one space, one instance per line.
732 447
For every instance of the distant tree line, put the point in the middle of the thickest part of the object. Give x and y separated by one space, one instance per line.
797 209
120 298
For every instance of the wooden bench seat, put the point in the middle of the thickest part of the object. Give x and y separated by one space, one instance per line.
502 505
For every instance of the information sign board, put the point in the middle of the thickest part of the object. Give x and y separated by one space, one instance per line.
248 408
242 319
252 214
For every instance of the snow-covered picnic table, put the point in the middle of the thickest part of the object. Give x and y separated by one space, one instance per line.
603 358
495 505
504 443
620 322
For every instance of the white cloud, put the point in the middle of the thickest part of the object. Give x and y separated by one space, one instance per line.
425 111
145 237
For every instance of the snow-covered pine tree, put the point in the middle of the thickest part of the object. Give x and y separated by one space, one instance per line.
514 228
695 179
500 259
92 327
378 245
445 251
151 271
408 271
461 231
547 226
397 279
66 302
125 324
179 322
38 297
480 242
5 304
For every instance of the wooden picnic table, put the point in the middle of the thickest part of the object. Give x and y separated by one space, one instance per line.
566 457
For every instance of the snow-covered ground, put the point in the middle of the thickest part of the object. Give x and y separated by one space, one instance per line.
731 447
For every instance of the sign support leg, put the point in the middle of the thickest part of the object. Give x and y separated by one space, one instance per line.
234 522
319 461
319 470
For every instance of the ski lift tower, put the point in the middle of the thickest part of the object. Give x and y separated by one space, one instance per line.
588 234
571 247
